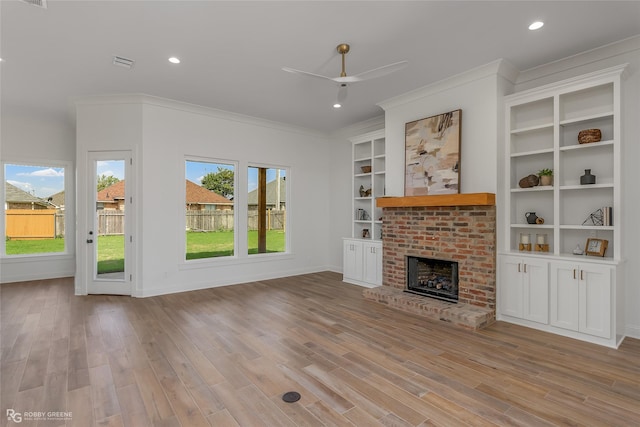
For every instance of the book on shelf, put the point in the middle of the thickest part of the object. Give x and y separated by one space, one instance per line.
607 216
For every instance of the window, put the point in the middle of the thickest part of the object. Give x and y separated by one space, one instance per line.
266 210
209 209
34 206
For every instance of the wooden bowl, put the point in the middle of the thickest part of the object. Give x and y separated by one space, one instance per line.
589 135
365 169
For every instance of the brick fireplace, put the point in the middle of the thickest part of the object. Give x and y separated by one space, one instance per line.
458 228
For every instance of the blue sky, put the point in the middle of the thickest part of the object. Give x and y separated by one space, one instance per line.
196 170
111 168
44 181
41 181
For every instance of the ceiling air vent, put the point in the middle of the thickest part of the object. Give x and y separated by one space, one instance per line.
123 62
39 3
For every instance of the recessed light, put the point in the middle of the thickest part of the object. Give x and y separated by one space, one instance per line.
337 105
536 25
174 60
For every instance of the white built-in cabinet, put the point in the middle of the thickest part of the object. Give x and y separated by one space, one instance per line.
362 260
542 127
581 297
526 291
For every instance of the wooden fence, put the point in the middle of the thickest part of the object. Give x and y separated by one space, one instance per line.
110 222
23 224
223 220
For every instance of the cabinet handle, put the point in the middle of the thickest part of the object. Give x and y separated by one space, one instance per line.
525 268
518 267
574 273
581 274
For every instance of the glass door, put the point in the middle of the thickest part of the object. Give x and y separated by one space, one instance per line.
109 234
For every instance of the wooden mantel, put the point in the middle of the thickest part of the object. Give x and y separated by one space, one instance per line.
469 199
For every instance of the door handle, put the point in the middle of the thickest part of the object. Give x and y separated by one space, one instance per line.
89 240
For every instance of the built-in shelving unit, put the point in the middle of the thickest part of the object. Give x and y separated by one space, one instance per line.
542 127
542 132
368 152
362 256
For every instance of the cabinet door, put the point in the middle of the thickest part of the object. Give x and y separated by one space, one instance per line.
372 258
563 300
511 283
352 260
595 300
536 290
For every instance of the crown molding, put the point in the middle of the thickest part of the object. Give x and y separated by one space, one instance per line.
499 67
144 99
601 53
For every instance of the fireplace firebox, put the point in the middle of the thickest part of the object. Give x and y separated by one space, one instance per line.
434 278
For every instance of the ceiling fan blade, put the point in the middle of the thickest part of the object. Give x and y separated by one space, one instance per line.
380 71
306 73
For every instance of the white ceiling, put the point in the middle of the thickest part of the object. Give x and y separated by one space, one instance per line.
232 52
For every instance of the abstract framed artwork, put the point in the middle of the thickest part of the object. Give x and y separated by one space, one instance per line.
432 155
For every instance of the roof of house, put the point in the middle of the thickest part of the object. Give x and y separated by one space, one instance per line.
111 193
57 199
15 195
271 193
197 194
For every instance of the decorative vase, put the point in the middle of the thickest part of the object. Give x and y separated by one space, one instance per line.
546 180
531 218
587 178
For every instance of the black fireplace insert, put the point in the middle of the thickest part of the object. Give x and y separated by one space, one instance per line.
434 278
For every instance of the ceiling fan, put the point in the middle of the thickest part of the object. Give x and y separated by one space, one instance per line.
343 80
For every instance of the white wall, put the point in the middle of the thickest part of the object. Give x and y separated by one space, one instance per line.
169 132
626 51
104 124
39 139
478 94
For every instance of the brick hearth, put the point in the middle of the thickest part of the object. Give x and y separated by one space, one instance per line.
466 234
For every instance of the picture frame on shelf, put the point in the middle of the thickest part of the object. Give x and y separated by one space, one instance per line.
596 247
432 155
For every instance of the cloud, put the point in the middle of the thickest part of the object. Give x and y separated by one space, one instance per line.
49 172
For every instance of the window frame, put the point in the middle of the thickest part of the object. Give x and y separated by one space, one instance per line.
69 207
216 260
287 201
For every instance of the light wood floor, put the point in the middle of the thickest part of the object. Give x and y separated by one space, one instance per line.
225 356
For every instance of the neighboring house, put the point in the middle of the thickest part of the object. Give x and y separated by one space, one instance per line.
57 200
272 195
112 197
16 198
200 199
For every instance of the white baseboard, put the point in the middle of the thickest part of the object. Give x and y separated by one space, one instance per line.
633 331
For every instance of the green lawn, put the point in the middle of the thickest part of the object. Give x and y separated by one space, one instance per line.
220 243
111 248
110 254
22 247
